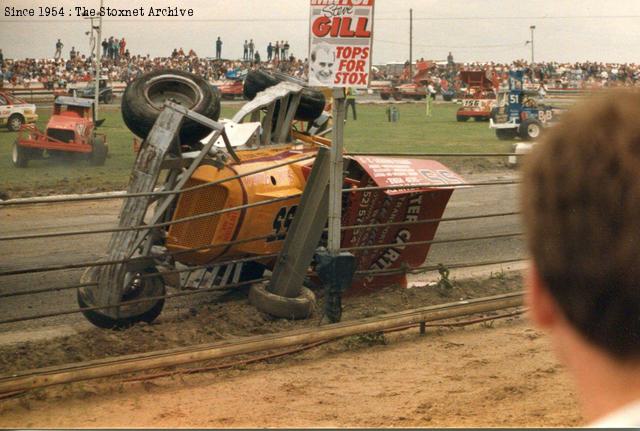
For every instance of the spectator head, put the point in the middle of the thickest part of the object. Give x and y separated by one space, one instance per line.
581 208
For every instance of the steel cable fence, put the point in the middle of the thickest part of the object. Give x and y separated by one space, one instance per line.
358 274
253 205
67 199
172 254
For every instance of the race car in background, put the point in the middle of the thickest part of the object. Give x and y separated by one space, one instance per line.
14 112
520 112
479 97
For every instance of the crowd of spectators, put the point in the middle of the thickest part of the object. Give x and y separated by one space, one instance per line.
119 65
583 75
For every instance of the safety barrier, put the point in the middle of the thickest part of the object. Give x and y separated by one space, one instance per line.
192 269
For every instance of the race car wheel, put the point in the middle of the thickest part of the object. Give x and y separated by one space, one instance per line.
311 103
19 156
15 122
530 129
99 153
280 306
385 96
144 99
462 118
128 314
506 134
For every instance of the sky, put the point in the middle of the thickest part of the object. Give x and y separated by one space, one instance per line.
473 30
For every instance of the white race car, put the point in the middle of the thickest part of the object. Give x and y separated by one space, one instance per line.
15 112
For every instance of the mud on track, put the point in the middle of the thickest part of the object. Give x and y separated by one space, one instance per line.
500 374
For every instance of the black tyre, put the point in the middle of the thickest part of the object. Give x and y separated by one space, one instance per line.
19 156
462 118
385 96
144 98
279 306
447 97
14 122
128 314
311 104
506 134
99 154
530 129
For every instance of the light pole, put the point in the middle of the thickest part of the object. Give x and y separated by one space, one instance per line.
410 43
532 28
96 56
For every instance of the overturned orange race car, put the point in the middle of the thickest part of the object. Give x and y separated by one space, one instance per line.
229 198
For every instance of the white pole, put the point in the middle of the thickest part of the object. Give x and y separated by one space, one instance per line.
98 63
533 27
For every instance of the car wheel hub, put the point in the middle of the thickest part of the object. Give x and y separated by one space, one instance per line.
533 130
180 90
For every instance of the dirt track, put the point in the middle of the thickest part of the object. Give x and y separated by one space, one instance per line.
502 375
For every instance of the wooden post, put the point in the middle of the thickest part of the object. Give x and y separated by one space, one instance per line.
335 173
305 232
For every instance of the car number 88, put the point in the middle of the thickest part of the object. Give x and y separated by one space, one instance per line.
545 115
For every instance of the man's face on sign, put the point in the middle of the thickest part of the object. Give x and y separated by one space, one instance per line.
322 65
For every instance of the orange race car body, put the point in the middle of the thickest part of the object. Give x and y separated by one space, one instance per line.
270 222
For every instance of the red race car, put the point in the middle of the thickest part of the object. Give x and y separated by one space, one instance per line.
480 96
71 131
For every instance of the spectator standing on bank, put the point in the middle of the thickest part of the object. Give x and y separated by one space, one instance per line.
276 51
580 207
256 58
123 45
72 53
110 48
351 101
269 51
218 48
286 49
59 46
245 55
116 49
252 47
1 60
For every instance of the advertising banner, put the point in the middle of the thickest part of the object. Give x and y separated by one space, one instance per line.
340 39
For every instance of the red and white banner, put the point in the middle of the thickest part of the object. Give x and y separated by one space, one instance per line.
340 39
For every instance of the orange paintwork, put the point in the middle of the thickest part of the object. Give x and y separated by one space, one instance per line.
233 226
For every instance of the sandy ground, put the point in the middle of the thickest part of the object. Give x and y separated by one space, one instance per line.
484 375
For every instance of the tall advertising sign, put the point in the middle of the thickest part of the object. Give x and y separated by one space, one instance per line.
340 39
